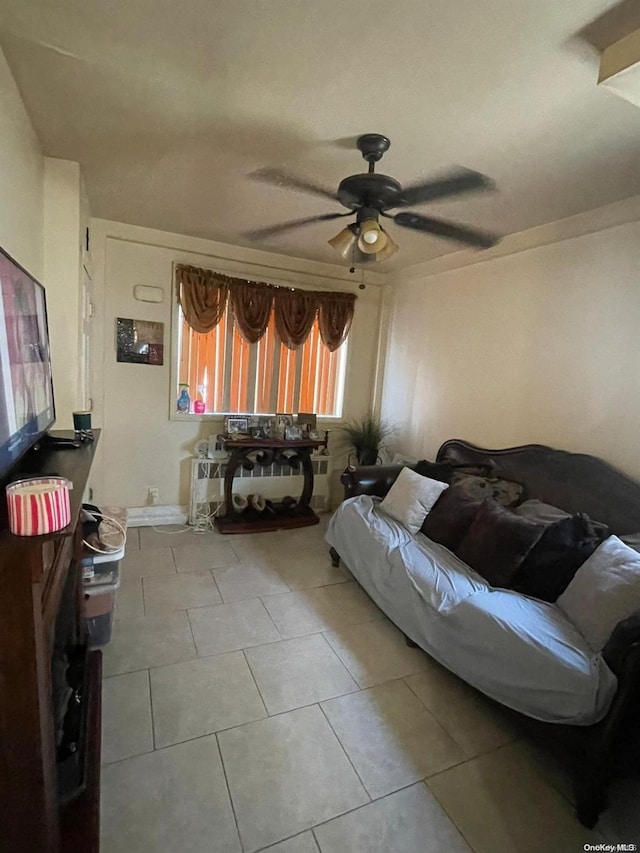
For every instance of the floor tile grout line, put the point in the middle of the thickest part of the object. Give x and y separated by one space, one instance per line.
346 666
255 681
269 715
311 704
159 749
193 636
538 769
365 806
259 645
201 736
126 758
212 572
228 786
403 679
144 606
153 723
315 838
445 811
433 714
342 747
289 838
451 734
271 619
248 723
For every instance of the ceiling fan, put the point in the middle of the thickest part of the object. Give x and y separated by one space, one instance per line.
370 195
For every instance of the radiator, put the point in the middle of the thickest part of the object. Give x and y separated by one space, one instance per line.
273 481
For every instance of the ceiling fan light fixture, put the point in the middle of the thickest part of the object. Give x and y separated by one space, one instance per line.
388 250
344 241
372 238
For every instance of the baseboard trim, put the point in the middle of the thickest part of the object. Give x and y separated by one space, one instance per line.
155 516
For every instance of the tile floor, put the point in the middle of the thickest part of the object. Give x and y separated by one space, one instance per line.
256 699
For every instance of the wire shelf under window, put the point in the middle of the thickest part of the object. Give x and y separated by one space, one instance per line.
272 481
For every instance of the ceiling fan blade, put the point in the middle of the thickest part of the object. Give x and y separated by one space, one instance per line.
273 230
442 228
456 182
280 178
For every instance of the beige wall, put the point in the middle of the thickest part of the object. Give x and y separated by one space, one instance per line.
21 179
140 446
62 259
39 226
541 345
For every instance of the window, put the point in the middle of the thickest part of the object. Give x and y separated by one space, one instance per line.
230 375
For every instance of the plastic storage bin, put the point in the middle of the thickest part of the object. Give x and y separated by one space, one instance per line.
99 598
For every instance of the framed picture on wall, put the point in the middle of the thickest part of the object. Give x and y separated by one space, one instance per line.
139 341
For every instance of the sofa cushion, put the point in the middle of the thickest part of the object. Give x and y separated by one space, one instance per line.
604 591
632 540
504 492
411 497
451 517
539 511
548 514
445 470
551 564
497 543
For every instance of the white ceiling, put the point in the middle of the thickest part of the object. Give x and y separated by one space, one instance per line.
168 105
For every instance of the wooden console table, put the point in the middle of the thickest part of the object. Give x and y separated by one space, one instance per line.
247 453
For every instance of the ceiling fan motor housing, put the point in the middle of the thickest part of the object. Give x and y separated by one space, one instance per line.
368 190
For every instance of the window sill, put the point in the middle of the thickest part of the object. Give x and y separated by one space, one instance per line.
329 421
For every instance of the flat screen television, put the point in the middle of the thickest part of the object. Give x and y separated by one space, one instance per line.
26 385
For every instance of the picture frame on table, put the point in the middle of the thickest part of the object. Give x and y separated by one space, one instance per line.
307 421
293 433
282 422
267 425
236 424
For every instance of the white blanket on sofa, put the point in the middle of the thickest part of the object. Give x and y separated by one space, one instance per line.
523 652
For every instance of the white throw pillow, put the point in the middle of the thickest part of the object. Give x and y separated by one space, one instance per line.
604 590
411 497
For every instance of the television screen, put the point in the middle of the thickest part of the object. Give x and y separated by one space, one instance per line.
26 387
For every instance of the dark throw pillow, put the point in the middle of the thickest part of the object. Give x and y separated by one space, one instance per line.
450 518
551 564
497 543
504 492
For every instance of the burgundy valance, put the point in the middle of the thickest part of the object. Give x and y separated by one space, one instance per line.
203 294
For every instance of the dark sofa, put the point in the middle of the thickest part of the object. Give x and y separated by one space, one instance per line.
576 483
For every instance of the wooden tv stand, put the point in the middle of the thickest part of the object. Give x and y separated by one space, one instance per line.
40 577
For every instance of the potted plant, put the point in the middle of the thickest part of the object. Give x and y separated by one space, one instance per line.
365 435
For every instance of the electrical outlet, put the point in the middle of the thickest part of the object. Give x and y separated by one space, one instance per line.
154 495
